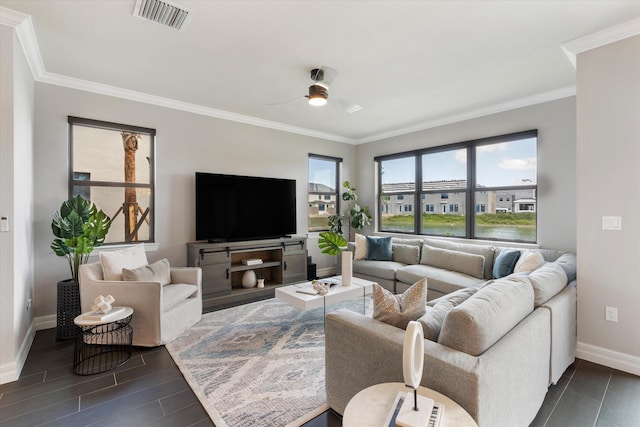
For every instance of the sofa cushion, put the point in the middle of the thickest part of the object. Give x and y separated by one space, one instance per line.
505 262
462 262
479 322
176 293
114 261
379 248
399 310
529 261
382 269
438 309
406 254
360 251
568 263
443 281
159 271
547 281
486 251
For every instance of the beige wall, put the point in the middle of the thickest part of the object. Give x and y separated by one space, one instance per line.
185 143
555 122
608 84
16 203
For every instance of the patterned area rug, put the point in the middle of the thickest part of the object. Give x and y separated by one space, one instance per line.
259 364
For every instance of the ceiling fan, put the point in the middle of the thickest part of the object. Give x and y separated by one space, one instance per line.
318 95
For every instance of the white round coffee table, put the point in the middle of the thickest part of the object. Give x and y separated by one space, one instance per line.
370 407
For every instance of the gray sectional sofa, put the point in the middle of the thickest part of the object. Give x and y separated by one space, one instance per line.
497 345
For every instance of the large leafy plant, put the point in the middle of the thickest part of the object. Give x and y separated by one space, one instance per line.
332 242
79 227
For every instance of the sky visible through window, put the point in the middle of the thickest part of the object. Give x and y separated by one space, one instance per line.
320 173
500 164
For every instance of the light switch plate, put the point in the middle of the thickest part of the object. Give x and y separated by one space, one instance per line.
612 223
4 224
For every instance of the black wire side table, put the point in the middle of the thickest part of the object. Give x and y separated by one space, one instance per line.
103 344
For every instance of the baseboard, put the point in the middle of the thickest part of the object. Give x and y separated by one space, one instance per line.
45 322
11 371
612 359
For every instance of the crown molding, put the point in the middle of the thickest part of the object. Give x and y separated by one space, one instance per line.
600 38
131 95
10 17
540 98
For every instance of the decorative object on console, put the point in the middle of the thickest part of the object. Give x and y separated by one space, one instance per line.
79 227
320 287
249 279
260 278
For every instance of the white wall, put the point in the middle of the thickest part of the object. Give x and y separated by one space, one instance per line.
608 108
185 143
555 122
16 203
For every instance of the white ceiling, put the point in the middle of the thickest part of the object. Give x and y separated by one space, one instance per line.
407 63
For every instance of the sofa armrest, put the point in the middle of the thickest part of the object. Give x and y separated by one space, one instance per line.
187 275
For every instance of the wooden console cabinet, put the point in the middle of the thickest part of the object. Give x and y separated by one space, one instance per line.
284 261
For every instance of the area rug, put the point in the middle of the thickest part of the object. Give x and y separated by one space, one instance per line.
258 364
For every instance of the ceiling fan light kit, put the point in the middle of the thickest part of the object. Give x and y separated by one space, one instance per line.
317 95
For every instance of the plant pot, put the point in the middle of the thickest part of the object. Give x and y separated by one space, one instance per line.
261 283
68 309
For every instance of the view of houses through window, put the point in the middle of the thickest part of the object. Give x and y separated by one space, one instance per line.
324 178
483 189
112 165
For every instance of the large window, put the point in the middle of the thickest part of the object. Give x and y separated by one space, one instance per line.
482 189
112 165
324 176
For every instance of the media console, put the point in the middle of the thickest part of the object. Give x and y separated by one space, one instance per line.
284 261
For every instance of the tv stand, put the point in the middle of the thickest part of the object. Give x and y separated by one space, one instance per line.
284 261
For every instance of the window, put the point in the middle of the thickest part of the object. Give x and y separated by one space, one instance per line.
476 189
398 186
112 165
323 191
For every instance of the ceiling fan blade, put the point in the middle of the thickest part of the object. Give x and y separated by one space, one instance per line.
288 101
344 105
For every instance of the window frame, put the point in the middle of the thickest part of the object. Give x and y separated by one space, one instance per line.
322 195
116 127
471 188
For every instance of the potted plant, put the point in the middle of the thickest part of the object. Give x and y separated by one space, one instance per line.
260 279
79 227
332 242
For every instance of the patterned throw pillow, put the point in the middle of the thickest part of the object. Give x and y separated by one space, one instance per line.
399 310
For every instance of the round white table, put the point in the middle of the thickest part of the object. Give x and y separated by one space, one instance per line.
370 407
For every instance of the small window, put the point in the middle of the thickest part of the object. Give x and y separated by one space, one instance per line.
323 191
112 165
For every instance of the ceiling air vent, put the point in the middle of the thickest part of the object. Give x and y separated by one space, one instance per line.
162 12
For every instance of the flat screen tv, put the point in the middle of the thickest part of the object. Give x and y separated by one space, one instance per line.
232 207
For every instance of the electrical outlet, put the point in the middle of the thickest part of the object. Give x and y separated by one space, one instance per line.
611 314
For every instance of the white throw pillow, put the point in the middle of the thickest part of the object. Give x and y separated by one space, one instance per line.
159 271
114 261
361 247
529 261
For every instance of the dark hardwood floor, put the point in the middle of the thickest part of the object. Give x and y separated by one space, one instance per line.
150 390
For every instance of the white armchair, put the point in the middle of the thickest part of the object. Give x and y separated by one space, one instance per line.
161 313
